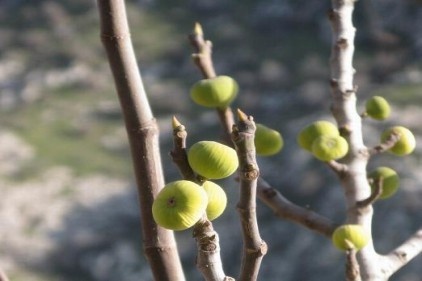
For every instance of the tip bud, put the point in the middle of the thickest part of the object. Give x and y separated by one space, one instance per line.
197 30
241 115
175 123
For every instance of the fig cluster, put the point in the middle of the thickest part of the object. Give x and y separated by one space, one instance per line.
378 108
212 160
323 140
181 204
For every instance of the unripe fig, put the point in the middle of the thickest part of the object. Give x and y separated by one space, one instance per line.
179 205
212 160
378 108
406 143
219 91
217 200
390 181
267 141
327 148
307 136
350 236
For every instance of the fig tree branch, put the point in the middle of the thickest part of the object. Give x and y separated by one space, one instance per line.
178 154
159 243
254 248
204 62
282 207
208 259
285 209
354 182
404 253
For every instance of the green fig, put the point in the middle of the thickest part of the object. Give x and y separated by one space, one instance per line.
217 199
327 148
350 236
212 160
308 134
179 205
219 91
406 143
390 181
267 141
378 108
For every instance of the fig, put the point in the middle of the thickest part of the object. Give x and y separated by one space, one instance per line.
217 199
406 143
378 108
390 181
308 134
179 205
327 148
350 236
267 141
218 91
212 160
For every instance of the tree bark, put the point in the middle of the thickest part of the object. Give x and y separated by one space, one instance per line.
159 244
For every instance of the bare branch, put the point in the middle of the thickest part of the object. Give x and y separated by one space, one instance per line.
339 168
208 260
254 248
159 243
203 55
352 266
285 209
403 254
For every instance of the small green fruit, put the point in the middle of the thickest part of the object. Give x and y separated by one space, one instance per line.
217 200
350 236
378 108
405 145
267 141
212 160
390 181
219 91
327 148
179 205
307 136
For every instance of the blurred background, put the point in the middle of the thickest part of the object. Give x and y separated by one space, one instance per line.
69 208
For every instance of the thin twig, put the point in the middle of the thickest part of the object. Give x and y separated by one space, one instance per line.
352 266
375 194
254 248
285 209
208 259
178 154
386 145
159 243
